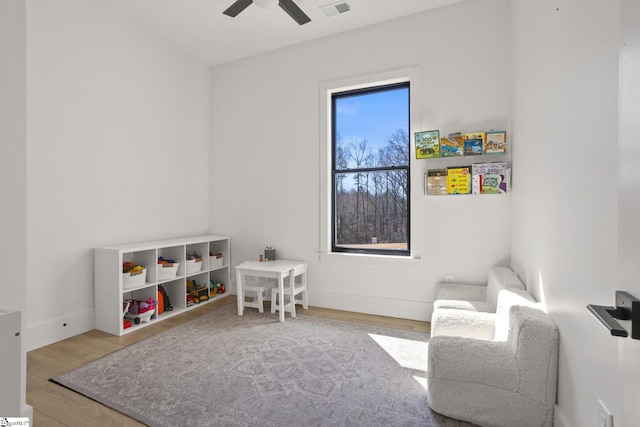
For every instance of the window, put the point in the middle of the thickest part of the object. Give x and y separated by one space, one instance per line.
370 170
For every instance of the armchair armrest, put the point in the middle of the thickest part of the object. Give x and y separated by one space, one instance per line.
470 360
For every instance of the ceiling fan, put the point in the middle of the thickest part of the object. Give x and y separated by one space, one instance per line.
287 5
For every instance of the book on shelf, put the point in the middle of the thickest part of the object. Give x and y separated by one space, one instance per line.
459 180
436 182
427 144
489 178
496 142
452 145
473 143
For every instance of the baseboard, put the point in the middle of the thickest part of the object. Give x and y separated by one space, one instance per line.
369 304
559 419
51 331
380 306
27 412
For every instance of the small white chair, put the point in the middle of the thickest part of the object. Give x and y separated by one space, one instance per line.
259 286
292 289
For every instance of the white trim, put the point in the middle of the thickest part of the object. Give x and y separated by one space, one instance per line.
27 412
370 304
559 419
409 74
367 260
55 330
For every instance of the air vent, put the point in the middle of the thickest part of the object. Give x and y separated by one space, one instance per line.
336 8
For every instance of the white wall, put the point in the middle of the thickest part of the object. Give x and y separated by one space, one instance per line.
118 124
118 147
13 168
564 213
266 155
13 154
629 201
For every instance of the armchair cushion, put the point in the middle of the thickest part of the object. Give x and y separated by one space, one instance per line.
482 325
457 323
477 297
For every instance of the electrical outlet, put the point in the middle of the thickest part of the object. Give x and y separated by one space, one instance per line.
448 278
606 419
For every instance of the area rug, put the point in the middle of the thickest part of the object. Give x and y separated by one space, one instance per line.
224 370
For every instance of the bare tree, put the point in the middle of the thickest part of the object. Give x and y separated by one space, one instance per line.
376 203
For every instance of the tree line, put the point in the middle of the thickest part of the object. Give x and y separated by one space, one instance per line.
371 195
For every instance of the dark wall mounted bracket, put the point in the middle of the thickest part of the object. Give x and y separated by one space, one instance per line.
627 308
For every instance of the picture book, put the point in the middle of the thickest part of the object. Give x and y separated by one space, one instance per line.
436 182
489 178
473 143
427 144
452 145
496 142
459 180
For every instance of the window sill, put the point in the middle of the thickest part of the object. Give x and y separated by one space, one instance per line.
340 258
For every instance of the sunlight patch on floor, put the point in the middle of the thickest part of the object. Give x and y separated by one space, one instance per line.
409 354
421 380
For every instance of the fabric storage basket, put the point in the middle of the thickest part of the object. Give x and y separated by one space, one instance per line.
133 279
215 262
167 271
194 265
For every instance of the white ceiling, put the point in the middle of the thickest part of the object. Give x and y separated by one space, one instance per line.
199 28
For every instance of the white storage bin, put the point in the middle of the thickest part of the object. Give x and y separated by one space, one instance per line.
194 265
215 262
134 279
167 271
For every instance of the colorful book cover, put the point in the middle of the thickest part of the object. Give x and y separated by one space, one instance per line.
427 144
473 143
452 145
459 180
436 182
496 142
489 178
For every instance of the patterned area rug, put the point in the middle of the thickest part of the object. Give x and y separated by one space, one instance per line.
225 370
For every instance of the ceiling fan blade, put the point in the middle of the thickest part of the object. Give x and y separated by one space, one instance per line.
237 7
294 11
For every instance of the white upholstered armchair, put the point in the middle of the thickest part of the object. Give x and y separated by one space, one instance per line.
497 383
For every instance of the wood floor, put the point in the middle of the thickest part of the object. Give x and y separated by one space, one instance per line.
57 406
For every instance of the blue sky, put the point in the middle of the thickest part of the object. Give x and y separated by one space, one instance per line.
373 116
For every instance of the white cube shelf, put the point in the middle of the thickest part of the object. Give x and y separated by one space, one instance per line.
112 288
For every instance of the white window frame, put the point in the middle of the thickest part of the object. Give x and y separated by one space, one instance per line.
327 89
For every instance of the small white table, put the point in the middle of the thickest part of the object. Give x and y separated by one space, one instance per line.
278 269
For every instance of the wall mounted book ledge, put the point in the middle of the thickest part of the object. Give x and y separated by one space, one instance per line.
627 308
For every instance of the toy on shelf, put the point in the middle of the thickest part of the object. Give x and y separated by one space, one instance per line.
194 256
165 298
132 268
162 260
216 288
126 323
213 289
199 293
140 311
